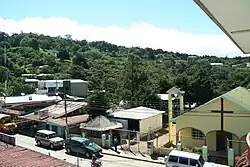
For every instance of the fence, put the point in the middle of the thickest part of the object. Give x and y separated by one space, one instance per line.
7 139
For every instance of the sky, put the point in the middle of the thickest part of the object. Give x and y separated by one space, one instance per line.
171 25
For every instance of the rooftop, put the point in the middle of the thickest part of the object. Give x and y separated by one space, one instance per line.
47 132
57 110
29 99
71 120
15 155
239 96
184 154
100 123
137 113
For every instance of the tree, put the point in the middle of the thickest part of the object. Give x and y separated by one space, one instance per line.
63 55
98 104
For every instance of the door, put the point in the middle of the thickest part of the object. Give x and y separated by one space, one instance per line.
221 140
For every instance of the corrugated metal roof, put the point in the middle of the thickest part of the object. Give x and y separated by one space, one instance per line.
100 123
71 120
15 156
58 110
137 113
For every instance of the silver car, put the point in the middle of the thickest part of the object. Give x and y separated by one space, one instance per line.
48 138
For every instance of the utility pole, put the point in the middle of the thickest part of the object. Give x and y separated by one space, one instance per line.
5 64
66 116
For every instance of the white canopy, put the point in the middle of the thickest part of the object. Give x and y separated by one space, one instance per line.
232 17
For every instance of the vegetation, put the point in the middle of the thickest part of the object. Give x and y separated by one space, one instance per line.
134 75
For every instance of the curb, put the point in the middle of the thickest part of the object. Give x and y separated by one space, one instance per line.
134 158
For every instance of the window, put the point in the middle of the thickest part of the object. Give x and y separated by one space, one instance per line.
197 134
183 161
194 162
173 159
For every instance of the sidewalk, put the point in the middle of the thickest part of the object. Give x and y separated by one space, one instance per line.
132 155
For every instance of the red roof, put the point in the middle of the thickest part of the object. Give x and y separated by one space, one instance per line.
15 156
71 120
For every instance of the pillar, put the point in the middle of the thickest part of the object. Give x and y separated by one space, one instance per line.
178 146
170 116
230 157
204 152
181 104
103 140
109 141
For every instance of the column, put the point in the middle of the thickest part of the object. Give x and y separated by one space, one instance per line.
181 104
170 115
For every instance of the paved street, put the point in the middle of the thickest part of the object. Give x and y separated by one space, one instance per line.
107 160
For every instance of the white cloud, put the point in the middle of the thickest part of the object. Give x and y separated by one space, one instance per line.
139 34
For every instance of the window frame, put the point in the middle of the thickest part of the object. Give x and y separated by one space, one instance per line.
197 134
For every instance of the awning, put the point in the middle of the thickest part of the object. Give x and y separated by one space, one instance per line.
232 17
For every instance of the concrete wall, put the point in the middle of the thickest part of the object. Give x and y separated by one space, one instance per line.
211 141
154 123
203 119
79 89
187 140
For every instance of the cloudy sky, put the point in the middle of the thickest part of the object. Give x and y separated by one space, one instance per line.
172 25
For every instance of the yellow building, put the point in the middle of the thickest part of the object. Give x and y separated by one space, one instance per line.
211 124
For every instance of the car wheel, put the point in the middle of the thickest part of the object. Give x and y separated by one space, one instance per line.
38 143
68 150
51 146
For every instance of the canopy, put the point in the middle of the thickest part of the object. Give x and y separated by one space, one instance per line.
232 17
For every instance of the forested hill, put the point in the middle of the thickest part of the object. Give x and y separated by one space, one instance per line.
132 74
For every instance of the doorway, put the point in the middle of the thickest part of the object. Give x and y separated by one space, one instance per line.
221 140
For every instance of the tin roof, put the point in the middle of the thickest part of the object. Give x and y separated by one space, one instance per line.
29 99
71 120
137 113
57 110
18 156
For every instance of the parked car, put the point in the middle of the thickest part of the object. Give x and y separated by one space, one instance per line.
186 159
48 138
82 146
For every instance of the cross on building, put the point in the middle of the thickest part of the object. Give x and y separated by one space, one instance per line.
221 111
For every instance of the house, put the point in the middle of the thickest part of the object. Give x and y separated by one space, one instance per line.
27 102
74 87
220 123
98 126
19 156
54 117
140 119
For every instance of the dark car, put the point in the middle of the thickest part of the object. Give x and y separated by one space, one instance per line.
82 146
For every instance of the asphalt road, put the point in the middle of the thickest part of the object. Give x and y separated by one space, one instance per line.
107 160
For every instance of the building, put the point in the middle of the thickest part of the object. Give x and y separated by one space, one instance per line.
98 126
53 117
140 119
216 64
74 87
26 102
220 123
19 156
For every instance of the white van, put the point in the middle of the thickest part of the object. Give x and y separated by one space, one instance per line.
184 159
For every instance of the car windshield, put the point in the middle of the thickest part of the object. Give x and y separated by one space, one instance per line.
52 135
87 142
202 161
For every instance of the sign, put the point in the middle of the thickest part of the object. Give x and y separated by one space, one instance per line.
7 139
